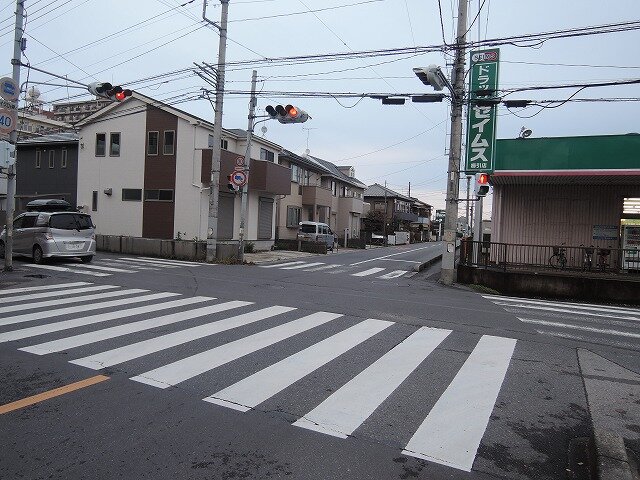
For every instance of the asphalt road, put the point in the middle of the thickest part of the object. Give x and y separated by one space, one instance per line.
347 365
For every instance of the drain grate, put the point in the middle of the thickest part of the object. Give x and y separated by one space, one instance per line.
37 275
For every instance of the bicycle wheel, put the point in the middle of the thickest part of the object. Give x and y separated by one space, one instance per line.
554 261
563 262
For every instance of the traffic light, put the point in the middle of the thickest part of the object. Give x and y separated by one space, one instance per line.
106 90
230 185
483 182
287 114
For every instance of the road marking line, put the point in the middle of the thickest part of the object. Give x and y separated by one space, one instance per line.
120 263
77 309
583 338
155 263
64 269
71 291
394 274
260 386
394 260
580 327
189 367
173 262
324 267
563 310
280 265
451 433
128 328
65 301
349 406
56 392
105 269
371 271
147 347
313 264
392 255
11 291
579 306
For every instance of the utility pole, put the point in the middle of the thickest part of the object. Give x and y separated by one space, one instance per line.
13 138
448 272
247 162
212 226
468 225
385 215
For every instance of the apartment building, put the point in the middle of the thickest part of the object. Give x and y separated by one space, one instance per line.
144 171
321 192
73 112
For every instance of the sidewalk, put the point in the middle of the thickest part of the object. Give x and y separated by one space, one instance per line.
277 255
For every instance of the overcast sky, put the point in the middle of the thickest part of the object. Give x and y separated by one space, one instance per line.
84 39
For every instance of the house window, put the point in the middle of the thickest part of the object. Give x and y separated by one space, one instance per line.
224 144
159 195
293 216
101 144
63 160
94 201
307 177
152 143
114 145
296 174
52 161
131 194
168 145
38 158
266 155
334 188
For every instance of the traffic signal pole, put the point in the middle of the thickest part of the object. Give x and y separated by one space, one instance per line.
212 223
13 138
247 161
448 272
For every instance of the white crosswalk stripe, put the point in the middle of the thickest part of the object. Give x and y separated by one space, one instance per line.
105 269
70 291
121 263
601 324
450 434
39 288
370 271
338 269
64 269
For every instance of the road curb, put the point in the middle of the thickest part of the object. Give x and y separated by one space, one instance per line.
428 263
612 462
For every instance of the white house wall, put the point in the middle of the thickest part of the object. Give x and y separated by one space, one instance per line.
113 216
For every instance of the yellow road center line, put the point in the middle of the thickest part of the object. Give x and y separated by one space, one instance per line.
25 402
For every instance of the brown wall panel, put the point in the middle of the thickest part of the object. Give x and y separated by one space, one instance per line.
159 173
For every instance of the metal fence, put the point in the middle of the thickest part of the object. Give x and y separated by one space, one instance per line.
505 256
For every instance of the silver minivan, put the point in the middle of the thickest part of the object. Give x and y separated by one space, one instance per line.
317 232
42 235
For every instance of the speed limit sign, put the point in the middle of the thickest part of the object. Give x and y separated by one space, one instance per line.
8 120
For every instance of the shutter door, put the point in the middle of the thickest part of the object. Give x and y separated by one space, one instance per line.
265 218
225 216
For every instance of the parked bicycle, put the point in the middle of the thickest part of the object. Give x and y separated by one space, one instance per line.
559 258
603 258
587 257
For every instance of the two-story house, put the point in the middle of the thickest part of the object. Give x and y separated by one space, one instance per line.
144 171
395 208
320 192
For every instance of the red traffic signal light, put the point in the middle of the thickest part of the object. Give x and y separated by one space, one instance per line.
483 179
287 114
483 184
106 90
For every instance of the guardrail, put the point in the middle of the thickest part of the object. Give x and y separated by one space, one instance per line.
506 256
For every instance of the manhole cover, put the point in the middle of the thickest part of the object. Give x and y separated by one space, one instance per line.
37 275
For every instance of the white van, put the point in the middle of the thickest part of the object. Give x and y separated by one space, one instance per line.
317 232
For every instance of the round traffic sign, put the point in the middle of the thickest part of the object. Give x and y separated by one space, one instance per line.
240 161
9 89
8 120
239 178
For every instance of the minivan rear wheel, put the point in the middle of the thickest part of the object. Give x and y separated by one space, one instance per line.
86 259
38 256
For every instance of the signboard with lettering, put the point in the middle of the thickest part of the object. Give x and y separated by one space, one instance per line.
481 119
605 232
9 89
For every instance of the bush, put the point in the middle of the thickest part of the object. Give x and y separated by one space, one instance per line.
249 247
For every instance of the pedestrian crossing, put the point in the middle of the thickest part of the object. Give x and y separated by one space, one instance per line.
167 339
613 325
333 268
105 267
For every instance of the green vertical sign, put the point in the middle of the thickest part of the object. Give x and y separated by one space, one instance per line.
481 120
